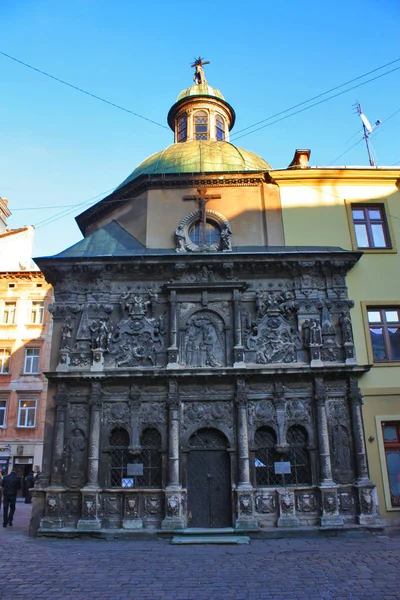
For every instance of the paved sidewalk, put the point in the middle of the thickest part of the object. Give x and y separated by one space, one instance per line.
356 568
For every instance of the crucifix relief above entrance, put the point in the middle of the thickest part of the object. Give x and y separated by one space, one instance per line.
203 230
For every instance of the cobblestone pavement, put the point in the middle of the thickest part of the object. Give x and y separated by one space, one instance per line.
357 567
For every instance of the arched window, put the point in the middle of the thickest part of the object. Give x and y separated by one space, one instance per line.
151 458
182 128
219 128
201 125
205 234
119 444
265 440
298 455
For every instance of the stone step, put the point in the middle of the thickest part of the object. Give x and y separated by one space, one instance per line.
204 530
222 538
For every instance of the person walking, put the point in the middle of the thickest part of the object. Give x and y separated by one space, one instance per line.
11 484
29 483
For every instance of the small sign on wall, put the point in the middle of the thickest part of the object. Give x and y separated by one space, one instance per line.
128 482
134 469
282 468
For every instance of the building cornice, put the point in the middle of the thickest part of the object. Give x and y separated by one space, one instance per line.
356 175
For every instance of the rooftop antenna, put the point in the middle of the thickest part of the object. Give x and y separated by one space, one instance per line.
368 129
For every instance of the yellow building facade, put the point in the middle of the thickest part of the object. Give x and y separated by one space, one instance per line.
357 208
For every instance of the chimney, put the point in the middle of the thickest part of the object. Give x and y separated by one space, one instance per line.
300 159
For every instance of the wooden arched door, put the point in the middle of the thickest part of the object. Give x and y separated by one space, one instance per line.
209 480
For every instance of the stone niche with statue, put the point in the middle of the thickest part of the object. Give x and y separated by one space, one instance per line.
203 391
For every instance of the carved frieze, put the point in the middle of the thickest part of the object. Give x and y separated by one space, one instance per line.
274 340
131 506
152 412
207 413
137 340
261 412
265 503
298 411
306 502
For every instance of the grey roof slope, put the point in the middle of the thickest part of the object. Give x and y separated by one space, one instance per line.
110 240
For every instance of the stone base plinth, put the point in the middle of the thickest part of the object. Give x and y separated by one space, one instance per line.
172 523
132 524
89 524
51 523
246 524
332 521
288 521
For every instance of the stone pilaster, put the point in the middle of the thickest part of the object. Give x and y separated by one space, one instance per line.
330 507
366 490
174 518
358 433
323 435
245 504
90 493
287 516
60 401
238 350
173 355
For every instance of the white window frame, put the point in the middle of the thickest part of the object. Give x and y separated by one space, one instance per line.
24 411
7 312
3 411
37 312
29 367
3 360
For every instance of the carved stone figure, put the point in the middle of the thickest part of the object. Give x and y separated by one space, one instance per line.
180 237
173 506
341 447
205 345
346 328
101 332
226 238
66 332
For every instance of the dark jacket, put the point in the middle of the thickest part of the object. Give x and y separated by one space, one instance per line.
11 484
29 481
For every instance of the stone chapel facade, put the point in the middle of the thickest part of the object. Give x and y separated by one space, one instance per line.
196 357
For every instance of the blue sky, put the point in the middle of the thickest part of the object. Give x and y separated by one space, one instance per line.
60 148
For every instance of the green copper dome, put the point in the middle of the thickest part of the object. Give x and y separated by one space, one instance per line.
200 89
199 157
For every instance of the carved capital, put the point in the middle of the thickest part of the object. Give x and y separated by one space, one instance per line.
320 390
241 393
354 391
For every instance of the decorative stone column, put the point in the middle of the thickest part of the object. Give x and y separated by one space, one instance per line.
174 517
245 501
60 401
238 350
366 489
53 501
330 506
173 355
323 435
90 493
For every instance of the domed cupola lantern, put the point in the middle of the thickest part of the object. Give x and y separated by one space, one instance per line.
201 113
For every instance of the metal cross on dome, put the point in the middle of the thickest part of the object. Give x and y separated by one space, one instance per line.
198 76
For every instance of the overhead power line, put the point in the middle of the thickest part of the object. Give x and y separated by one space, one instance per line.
282 112
79 89
320 102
